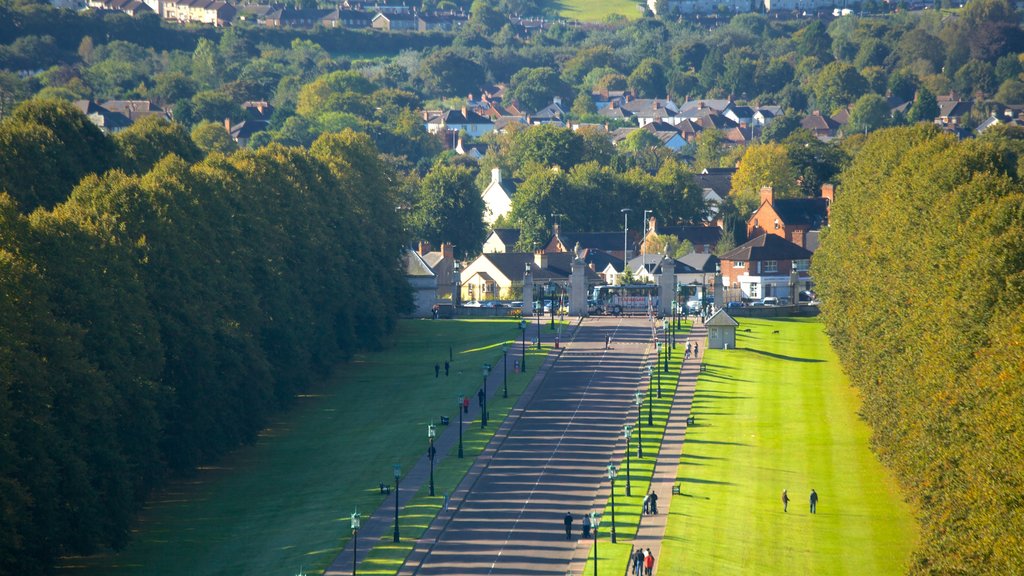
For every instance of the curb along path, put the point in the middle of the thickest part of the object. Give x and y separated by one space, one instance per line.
381 522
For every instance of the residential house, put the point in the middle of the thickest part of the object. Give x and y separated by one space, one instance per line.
765 115
695 109
501 240
130 7
257 12
952 110
285 17
442 264
647 268
551 114
423 282
647 110
109 122
438 22
465 120
614 111
341 18
136 109
497 197
475 150
242 132
741 115
798 220
689 130
668 135
214 12
400 22
610 242
499 276
258 109
715 184
767 265
823 127
701 6
796 5
702 238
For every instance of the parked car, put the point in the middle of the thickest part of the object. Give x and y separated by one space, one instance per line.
472 304
735 304
770 301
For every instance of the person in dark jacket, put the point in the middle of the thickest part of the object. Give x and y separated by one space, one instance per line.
814 501
568 525
785 501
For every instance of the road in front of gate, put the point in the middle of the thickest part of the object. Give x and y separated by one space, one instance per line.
553 461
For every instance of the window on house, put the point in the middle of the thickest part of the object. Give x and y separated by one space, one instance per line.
802 265
753 291
739 264
771 266
777 226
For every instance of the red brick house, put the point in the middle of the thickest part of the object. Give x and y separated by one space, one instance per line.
768 265
795 219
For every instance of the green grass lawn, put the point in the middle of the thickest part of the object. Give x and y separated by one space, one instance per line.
778 413
597 10
283 503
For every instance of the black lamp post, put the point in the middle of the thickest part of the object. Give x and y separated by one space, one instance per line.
483 414
595 520
462 402
504 367
612 473
639 397
540 309
522 325
431 451
658 346
397 469
355 539
627 432
650 401
551 295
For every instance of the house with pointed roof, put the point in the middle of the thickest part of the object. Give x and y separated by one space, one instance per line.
560 242
766 265
823 127
796 219
666 133
497 197
442 265
721 331
499 276
465 120
108 121
501 240
394 22
423 282
715 183
647 110
702 238
553 113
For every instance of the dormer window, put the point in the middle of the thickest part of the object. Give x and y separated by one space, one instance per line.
777 226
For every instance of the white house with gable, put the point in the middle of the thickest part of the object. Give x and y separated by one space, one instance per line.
497 197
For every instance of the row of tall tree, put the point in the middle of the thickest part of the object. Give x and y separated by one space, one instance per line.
922 278
153 320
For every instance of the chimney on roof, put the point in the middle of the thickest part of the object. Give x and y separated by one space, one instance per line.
700 105
426 115
469 97
424 247
767 195
465 112
557 100
656 105
828 192
652 227
540 260
227 125
554 229
496 175
447 250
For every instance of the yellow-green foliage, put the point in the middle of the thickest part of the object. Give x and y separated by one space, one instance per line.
921 274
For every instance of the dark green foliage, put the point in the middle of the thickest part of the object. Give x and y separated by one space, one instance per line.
920 275
152 323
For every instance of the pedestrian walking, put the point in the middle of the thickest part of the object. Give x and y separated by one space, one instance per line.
814 501
465 404
649 563
638 562
647 504
654 503
695 351
785 501
437 369
586 526
568 526
687 348
446 367
607 341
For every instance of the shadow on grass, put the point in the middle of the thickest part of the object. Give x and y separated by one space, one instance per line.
782 356
689 480
716 442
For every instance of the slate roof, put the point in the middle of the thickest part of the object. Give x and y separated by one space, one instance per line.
551 113
459 117
652 262
954 108
815 122
508 236
607 241
600 259
811 212
700 262
651 107
697 235
717 179
246 128
513 264
416 266
721 318
691 107
134 109
767 247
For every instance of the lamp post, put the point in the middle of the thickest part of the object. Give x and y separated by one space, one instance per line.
431 451
551 289
595 521
462 402
658 346
504 367
522 325
397 469
639 398
650 410
612 473
540 309
625 241
355 539
483 414
643 244
627 432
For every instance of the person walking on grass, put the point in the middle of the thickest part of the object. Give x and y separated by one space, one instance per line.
568 525
785 501
638 562
437 369
649 563
586 526
814 501
446 367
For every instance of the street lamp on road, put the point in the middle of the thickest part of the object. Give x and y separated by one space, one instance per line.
658 346
625 241
522 326
595 521
462 403
639 398
397 469
612 473
627 432
650 409
431 451
504 367
483 414
355 539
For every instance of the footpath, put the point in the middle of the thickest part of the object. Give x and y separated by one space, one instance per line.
381 522
667 468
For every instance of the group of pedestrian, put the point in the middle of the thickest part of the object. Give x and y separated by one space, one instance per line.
813 499
437 369
650 503
643 562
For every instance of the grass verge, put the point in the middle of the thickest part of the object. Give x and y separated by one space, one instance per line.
597 10
283 503
778 413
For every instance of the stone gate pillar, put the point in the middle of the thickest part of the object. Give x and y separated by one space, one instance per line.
578 288
666 286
